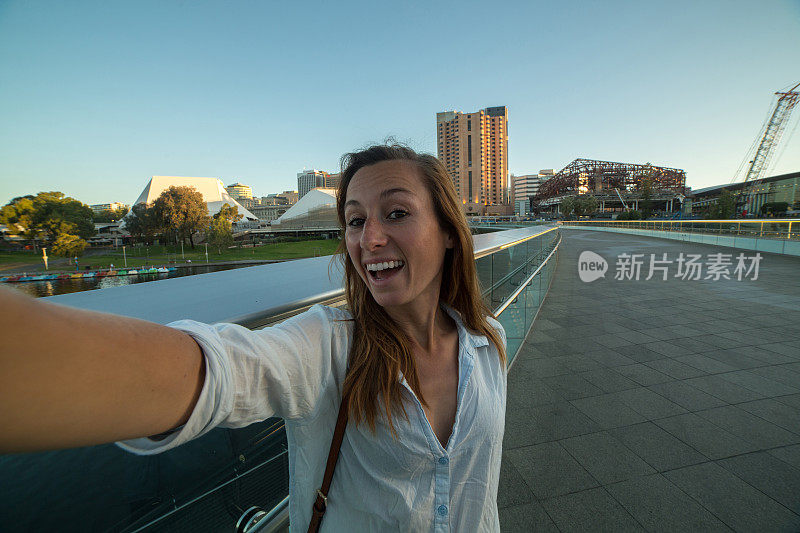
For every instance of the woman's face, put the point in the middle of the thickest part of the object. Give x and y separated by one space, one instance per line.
393 237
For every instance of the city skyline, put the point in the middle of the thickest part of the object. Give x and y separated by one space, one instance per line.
98 98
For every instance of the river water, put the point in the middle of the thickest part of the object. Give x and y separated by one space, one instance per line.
65 286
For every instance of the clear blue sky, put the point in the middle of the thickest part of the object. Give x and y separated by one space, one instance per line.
95 97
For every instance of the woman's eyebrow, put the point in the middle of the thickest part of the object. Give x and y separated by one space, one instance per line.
384 195
397 190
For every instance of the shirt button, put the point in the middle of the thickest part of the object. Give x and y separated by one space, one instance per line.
442 510
443 460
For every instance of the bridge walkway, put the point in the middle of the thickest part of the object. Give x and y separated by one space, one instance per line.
656 405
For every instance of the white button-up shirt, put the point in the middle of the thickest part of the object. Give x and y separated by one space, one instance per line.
296 369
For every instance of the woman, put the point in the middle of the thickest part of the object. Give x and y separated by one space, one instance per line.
422 367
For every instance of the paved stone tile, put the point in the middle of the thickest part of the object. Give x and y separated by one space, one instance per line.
759 384
735 359
776 412
527 392
667 349
512 489
612 340
639 353
704 436
608 380
578 362
543 423
783 349
660 333
642 374
572 386
771 476
787 454
635 337
661 506
765 357
675 369
780 374
723 389
649 404
542 368
658 448
720 342
792 400
733 501
706 364
590 510
608 411
686 396
749 427
549 470
525 518
608 357
606 458
693 344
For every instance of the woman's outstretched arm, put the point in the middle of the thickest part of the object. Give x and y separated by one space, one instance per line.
70 377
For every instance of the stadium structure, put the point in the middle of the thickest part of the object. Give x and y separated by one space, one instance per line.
617 186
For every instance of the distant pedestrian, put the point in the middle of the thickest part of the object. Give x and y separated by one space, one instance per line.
76 263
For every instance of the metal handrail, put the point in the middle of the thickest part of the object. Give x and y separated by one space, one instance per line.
527 282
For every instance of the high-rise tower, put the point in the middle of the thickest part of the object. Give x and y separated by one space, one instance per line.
474 149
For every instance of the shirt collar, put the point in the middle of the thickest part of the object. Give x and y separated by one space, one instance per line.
466 337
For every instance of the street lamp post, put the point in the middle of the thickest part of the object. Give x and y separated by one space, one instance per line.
206 253
124 256
44 257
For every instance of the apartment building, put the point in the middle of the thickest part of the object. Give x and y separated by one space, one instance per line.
474 149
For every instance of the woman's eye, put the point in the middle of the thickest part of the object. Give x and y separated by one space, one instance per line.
355 222
397 213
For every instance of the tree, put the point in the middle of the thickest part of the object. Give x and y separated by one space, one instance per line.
67 245
219 233
230 213
774 208
725 207
17 215
56 213
585 205
646 191
580 205
111 215
142 223
48 216
568 206
183 211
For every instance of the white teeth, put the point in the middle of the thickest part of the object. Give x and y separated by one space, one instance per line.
374 267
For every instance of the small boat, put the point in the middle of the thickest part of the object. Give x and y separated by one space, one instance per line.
163 270
132 272
78 275
63 276
89 274
11 279
25 278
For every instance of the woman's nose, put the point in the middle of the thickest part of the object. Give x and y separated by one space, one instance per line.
373 235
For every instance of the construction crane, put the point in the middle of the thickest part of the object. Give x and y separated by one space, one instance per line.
770 136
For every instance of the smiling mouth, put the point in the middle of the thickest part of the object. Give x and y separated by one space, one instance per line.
385 270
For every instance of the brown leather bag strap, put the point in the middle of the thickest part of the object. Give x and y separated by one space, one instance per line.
321 503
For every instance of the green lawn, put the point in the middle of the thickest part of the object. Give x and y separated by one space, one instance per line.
163 255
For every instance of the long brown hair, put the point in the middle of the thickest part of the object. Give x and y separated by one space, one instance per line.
380 350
